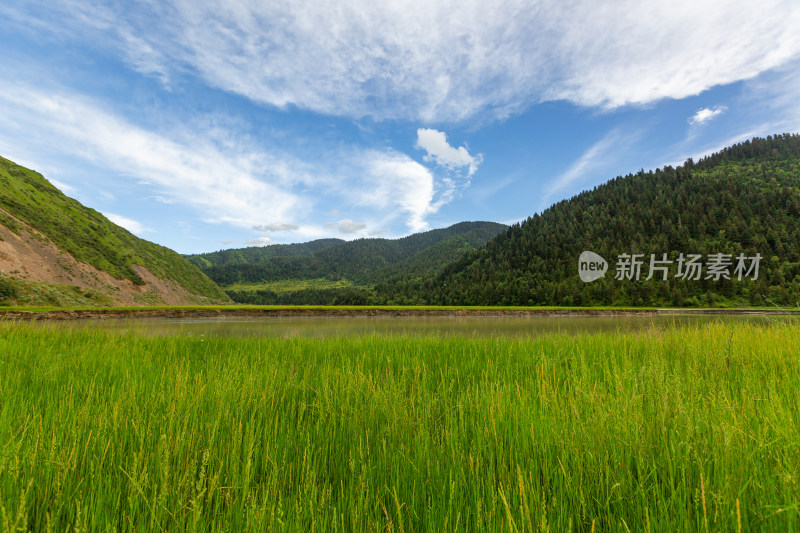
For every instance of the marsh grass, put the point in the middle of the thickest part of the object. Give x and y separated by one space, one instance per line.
660 430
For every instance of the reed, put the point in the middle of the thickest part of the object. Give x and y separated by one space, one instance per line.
658 430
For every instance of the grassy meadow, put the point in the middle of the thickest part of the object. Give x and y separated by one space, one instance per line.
290 285
692 429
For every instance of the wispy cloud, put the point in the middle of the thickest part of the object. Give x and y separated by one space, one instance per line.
776 95
63 187
772 105
228 186
276 226
348 226
591 162
707 113
97 22
260 241
227 182
127 223
438 61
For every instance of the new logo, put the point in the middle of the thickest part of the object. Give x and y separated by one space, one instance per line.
591 266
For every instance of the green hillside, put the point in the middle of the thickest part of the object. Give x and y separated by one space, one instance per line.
90 237
744 199
359 264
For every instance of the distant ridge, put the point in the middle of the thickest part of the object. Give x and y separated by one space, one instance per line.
349 267
259 254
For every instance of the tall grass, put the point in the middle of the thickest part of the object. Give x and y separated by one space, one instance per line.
694 429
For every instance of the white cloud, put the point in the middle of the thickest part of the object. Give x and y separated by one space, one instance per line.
127 223
63 187
332 213
435 61
399 185
224 182
704 115
348 226
378 232
775 97
90 19
230 186
261 241
592 162
276 226
143 56
638 52
768 105
438 150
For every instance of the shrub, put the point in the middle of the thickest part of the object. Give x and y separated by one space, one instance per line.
8 291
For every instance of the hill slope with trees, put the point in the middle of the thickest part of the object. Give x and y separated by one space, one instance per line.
742 200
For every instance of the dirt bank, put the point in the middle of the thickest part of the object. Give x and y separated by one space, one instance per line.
30 255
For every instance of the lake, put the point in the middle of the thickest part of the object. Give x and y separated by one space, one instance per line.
399 326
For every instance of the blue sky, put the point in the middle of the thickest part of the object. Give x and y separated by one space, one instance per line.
205 125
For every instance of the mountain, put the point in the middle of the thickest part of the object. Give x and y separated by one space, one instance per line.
334 271
742 200
55 251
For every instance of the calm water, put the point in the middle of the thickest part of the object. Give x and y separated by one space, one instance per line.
460 326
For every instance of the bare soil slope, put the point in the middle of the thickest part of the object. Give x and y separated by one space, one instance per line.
31 256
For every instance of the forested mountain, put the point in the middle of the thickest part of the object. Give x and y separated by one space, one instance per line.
55 251
362 262
742 200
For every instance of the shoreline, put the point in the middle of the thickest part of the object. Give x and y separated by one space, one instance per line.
354 312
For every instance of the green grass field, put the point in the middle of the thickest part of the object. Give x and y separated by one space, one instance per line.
664 430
